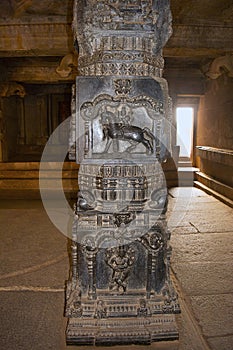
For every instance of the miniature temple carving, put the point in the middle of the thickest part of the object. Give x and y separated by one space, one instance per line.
120 291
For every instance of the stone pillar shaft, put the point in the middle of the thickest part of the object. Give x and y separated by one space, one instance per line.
120 290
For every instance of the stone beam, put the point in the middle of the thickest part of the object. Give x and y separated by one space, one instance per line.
39 74
40 69
199 40
56 39
35 39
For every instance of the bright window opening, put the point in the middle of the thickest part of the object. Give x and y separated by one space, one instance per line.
184 122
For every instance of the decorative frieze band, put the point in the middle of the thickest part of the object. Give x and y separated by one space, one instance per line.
138 69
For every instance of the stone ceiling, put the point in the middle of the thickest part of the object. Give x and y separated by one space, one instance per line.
38 32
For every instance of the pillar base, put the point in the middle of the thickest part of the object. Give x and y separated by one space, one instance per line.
121 331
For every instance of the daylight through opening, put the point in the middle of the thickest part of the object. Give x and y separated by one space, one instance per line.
184 122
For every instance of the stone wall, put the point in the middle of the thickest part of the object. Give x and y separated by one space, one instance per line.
215 136
28 121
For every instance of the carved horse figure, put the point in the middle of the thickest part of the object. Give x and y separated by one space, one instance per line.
113 130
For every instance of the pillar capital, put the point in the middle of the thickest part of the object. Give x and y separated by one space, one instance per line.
121 37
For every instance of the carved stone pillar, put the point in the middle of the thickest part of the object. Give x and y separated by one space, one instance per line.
120 290
2 134
22 135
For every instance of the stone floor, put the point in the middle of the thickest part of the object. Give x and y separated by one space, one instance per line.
34 265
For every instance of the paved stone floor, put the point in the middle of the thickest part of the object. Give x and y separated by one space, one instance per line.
34 266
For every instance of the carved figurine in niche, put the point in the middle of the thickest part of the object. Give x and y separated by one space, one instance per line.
101 310
120 259
113 130
143 310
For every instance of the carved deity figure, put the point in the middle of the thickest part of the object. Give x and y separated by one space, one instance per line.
120 259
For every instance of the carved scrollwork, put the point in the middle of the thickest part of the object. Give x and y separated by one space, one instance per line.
153 241
159 199
72 134
122 86
122 219
67 65
86 200
8 89
90 109
142 57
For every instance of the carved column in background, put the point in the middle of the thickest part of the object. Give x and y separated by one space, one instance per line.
120 289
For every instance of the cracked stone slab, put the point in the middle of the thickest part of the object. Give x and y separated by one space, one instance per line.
188 339
215 247
53 276
213 221
214 314
183 230
214 226
223 343
196 206
205 219
204 278
38 241
31 320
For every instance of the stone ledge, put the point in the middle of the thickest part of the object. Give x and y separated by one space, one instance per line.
201 36
39 74
214 185
218 155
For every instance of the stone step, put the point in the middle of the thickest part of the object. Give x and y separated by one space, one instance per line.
215 185
184 164
21 179
34 183
186 176
35 174
4 166
213 193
